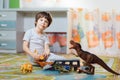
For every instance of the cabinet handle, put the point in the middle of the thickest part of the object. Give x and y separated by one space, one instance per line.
3 25
3 44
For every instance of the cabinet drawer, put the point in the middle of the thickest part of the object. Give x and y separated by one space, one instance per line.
7 35
7 25
7 15
7 44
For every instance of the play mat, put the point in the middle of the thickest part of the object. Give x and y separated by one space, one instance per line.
10 70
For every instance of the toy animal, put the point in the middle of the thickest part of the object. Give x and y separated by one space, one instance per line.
26 68
42 60
43 63
90 58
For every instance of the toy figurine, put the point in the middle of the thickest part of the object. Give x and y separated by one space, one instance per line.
90 58
42 60
26 68
43 63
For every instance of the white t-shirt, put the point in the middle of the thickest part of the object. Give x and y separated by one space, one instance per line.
35 41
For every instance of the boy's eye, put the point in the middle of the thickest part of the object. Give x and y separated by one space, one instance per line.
46 21
41 19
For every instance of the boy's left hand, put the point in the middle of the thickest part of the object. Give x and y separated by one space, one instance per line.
45 55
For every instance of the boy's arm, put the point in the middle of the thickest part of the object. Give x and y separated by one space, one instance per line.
27 50
47 50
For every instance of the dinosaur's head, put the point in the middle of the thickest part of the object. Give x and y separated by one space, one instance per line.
74 45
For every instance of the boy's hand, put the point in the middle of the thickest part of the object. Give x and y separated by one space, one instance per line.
36 56
45 55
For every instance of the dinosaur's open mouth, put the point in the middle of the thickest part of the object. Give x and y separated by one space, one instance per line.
71 42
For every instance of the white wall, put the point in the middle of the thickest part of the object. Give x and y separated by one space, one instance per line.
89 4
92 4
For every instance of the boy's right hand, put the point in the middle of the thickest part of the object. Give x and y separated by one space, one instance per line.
36 56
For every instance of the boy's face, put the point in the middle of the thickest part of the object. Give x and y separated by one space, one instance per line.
42 23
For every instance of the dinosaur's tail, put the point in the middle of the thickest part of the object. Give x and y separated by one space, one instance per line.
105 66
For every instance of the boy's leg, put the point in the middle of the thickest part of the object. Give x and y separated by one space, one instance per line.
53 57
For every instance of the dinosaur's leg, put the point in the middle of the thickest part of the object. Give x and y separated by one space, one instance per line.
91 69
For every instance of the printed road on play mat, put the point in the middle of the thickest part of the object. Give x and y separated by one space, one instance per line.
10 70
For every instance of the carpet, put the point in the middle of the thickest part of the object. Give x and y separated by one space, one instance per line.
10 70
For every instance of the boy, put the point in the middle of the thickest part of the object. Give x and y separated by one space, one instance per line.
36 39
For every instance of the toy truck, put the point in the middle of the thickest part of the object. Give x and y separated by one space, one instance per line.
66 65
